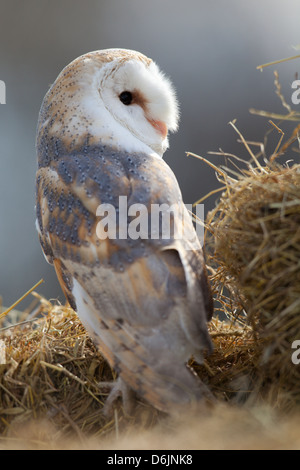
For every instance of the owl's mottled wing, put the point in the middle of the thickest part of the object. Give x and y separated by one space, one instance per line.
145 302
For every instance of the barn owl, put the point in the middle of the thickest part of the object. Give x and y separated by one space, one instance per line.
145 301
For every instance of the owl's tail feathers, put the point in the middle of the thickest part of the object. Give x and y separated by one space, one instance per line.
169 389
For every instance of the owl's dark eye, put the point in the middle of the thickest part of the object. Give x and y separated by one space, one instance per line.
126 97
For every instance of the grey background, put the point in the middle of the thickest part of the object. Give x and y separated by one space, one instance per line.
210 50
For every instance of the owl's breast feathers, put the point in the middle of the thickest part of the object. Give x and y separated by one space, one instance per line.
145 302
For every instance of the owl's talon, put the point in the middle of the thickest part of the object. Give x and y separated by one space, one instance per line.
103 385
119 389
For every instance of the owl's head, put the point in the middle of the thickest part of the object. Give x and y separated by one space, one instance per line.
118 97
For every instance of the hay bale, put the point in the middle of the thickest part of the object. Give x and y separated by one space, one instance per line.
255 235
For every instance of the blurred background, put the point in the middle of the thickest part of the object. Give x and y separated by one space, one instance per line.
210 50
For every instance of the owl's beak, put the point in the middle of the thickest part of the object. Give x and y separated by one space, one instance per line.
160 127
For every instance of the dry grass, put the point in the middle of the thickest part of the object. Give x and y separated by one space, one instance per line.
52 371
51 399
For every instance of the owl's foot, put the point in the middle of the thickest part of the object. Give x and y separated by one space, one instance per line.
119 389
